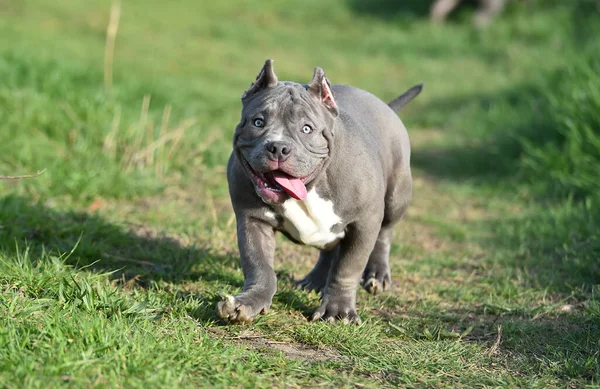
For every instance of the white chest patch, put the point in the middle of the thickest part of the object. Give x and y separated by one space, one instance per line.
310 220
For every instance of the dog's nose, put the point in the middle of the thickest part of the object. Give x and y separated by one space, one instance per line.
278 151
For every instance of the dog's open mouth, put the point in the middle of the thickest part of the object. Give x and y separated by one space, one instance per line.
276 184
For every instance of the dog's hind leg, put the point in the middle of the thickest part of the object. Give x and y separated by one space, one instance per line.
377 276
317 278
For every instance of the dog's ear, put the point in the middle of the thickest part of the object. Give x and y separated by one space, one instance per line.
265 79
320 88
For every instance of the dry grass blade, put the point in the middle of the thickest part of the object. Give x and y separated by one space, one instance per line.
160 166
175 144
144 144
39 173
138 131
109 48
492 350
110 145
176 135
131 260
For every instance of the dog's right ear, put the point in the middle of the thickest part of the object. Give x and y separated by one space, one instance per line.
265 79
320 88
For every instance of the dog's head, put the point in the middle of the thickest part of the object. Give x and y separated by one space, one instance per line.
284 137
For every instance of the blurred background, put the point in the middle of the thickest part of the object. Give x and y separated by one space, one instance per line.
513 101
120 100
130 107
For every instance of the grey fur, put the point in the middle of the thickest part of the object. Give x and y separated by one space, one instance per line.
406 97
357 157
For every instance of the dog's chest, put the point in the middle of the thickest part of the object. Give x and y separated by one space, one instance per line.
312 221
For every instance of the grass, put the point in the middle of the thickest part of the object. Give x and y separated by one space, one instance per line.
111 262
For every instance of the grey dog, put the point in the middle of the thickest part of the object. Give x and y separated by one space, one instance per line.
328 166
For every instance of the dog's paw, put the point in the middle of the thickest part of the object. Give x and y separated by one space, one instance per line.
235 309
337 309
375 285
313 283
377 279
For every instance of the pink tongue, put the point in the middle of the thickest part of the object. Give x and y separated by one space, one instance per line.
294 186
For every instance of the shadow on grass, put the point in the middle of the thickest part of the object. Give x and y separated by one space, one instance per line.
482 133
557 247
497 142
533 343
565 346
391 9
132 253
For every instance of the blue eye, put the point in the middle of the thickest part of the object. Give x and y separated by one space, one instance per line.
307 129
259 122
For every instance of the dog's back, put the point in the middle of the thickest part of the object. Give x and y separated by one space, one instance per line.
375 128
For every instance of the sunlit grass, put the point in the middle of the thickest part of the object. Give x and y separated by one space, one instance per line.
112 260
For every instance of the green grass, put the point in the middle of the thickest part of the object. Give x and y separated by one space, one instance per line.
112 261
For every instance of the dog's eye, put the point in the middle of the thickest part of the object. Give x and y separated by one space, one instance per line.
307 129
259 122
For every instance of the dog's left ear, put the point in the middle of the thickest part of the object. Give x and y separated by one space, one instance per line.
320 88
265 79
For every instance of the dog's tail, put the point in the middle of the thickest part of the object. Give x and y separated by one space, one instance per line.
406 97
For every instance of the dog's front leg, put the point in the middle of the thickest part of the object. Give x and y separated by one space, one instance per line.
339 296
256 241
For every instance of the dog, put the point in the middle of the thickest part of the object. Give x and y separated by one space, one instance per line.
328 166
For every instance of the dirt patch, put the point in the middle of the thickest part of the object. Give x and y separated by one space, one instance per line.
291 350
295 351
